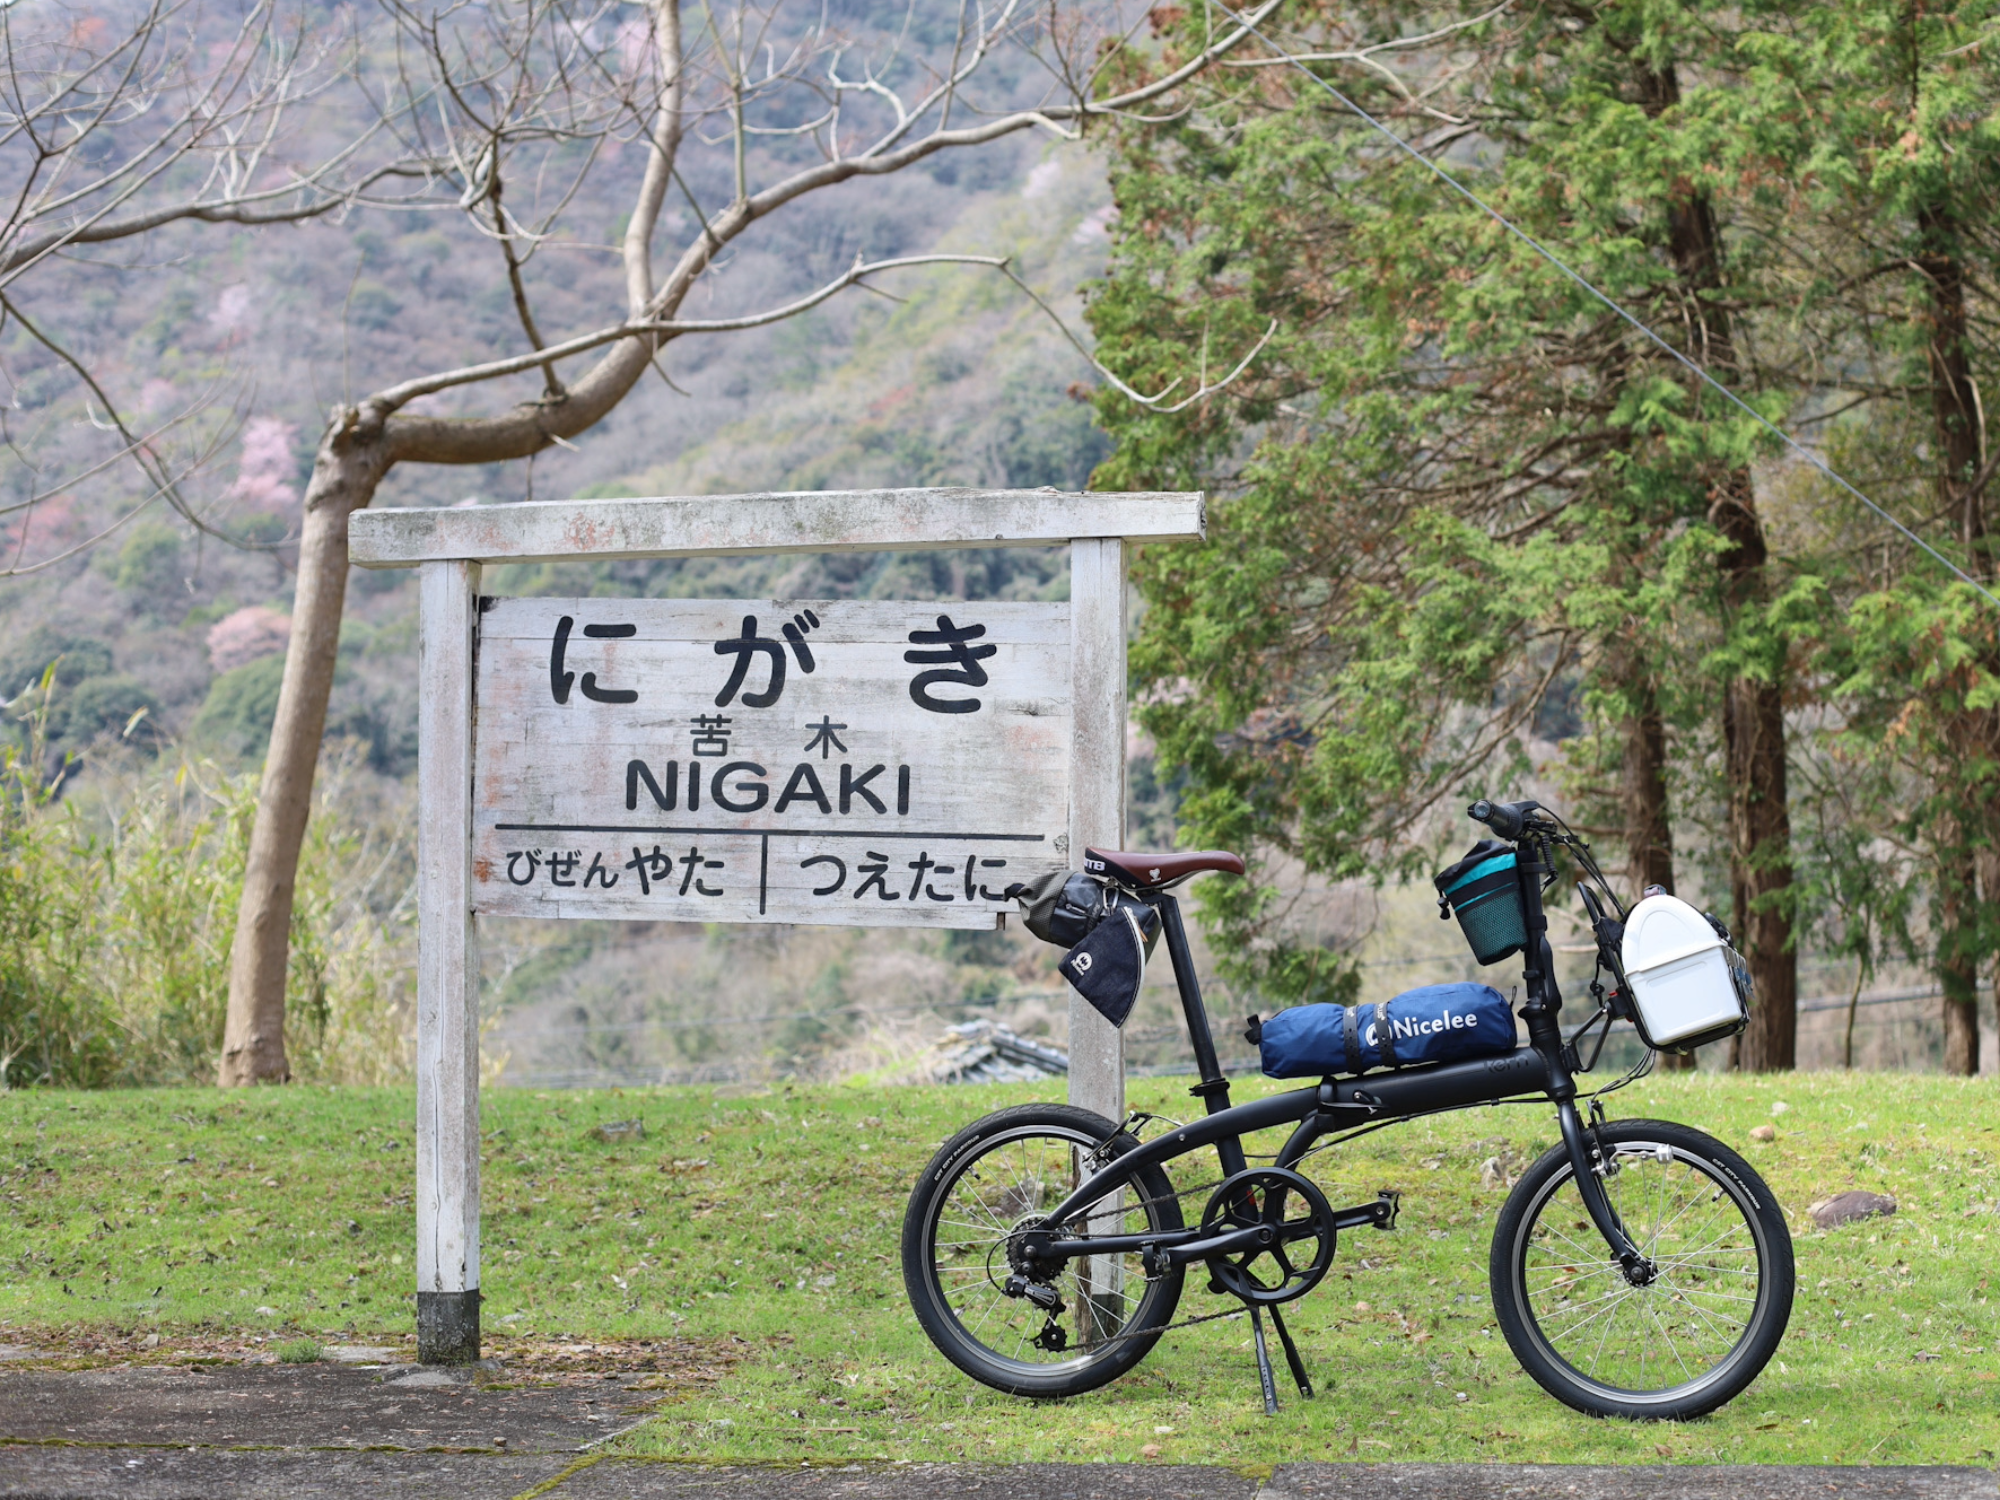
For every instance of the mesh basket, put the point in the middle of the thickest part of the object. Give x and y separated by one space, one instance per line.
1483 891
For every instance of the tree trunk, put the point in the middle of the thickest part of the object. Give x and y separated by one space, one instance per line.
1649 835
1958 959
1956 416
1753 704
348 468
1760 873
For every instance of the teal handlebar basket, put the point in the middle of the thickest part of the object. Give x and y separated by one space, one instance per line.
1483 891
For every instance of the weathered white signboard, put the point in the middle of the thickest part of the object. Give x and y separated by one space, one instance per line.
803 760
741 760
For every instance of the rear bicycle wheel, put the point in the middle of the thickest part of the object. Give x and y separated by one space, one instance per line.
997 1177
1690 1340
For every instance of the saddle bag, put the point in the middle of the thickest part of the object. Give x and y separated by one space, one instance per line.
1438 1023
1109 934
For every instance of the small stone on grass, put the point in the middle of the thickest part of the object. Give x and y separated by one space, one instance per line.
359 1354
1845 1208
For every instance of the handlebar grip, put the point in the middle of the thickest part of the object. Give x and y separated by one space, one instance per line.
1502 818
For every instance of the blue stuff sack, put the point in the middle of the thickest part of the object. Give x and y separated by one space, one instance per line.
1438 1023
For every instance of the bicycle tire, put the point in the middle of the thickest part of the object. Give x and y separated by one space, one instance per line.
945 1289
1710 1225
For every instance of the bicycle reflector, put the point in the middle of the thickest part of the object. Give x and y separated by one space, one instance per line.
1483 891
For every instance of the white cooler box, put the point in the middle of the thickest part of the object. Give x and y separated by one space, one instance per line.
1687 985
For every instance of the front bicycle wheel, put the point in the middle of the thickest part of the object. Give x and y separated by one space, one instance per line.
996 1178
1688 1341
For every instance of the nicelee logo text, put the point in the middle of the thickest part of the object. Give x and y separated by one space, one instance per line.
1401 1028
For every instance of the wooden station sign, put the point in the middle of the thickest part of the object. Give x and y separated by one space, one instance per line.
729 760
835 761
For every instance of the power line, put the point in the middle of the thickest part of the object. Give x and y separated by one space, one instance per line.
1584 282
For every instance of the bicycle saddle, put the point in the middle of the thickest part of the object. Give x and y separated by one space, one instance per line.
1147 872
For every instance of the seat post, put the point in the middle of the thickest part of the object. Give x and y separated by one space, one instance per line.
1213 1090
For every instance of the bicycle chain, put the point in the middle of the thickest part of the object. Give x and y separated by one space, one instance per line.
1098 1159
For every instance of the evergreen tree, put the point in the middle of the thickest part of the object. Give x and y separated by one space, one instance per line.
1454 479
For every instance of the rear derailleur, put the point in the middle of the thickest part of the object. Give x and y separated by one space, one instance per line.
1025 1284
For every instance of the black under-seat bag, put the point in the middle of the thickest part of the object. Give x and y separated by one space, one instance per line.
1107 959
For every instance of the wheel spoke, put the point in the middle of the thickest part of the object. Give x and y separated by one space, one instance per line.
1003 1186
1674 1331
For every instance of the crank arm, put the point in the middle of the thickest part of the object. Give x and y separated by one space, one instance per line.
1381 1214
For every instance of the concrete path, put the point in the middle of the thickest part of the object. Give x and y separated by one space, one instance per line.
46 1473
278 1432
313 1406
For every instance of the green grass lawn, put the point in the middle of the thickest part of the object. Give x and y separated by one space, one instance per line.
773 1219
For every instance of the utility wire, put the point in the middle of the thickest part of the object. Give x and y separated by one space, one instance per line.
1578 277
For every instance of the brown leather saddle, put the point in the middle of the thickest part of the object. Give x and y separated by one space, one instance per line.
1156 872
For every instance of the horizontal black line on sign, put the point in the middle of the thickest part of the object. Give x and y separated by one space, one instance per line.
751 833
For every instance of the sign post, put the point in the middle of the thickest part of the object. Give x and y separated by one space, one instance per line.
855 762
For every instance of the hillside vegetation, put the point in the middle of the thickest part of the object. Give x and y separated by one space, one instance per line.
963 381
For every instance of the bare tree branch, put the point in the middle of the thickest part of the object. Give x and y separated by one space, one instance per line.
397 396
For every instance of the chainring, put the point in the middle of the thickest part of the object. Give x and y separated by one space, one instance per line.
1289 1204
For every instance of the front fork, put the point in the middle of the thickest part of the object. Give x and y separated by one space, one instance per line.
1592 1164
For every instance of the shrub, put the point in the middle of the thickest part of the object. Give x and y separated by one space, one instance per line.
149 566
118 904
75 658
236 717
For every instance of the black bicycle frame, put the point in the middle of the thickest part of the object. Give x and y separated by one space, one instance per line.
1337 1104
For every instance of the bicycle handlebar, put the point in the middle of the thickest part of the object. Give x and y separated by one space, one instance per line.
1505 818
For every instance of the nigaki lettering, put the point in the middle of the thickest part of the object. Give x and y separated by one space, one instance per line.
744 794
665 792
963 667
739 786
747 646
560 680
803 787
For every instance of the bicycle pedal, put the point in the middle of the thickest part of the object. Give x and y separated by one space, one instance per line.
1389 1204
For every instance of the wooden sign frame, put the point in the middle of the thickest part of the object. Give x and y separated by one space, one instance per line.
448 547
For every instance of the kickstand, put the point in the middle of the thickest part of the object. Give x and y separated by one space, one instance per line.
1264 1361
1292 1354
